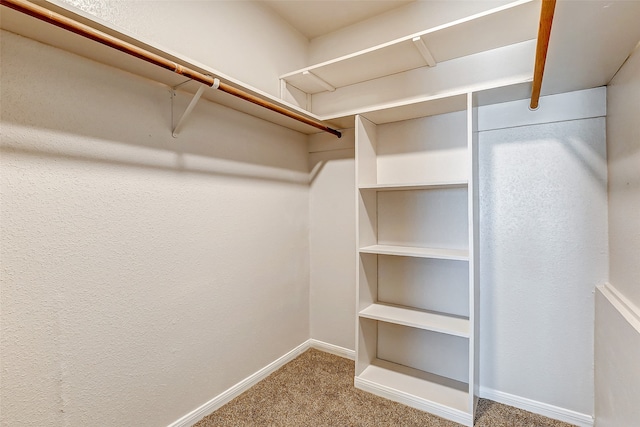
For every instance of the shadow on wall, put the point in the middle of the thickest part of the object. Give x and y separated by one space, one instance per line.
317 161
59 105
543 215
325 148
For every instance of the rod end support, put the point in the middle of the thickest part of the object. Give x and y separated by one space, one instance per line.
335 132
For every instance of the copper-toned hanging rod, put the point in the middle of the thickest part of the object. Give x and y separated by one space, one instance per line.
544 32
83 30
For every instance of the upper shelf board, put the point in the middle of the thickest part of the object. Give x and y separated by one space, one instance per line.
432 105
421 319
21 24
410 187
502 26
590 41
410 251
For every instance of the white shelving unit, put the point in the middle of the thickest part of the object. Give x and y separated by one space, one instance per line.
417 255
498 27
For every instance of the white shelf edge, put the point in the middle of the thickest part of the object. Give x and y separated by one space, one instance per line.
397 382
407 38
409 251
415 186
421 319
424 99
396 104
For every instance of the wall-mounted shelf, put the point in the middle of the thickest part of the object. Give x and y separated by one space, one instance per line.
436 253
608 35
409 187
502 26
415 318
27 26
431 105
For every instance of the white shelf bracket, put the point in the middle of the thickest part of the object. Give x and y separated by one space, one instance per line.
424 51
318 80
283 88
190 107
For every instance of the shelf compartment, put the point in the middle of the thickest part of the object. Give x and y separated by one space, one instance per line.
412 109
438 253
514 22
425 284
421 319
421 186
429 152
429 392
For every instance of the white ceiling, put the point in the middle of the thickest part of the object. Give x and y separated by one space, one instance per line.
314 18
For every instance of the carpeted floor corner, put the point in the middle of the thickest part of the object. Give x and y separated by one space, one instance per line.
316 389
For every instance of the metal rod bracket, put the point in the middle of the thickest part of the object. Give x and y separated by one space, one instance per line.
190 107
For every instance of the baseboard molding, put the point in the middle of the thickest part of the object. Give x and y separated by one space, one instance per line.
226 396
217 402
550 411
333 349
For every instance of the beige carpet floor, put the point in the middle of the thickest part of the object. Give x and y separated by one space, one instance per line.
316 389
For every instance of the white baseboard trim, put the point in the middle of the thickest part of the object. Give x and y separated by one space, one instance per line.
333 349
226 396
550 411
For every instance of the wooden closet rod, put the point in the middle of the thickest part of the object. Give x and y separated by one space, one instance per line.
83 30
544 32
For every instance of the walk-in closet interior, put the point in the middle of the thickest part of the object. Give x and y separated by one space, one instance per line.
194 193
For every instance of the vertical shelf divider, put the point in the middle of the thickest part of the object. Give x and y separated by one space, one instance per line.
474 251
367 231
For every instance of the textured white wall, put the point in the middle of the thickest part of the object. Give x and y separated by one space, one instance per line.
623 156
243 39
332 239
543 238
617 351
141 275
400 22
617 338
